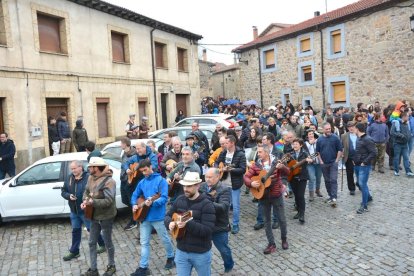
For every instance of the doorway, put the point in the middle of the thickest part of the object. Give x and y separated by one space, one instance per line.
181 103
142 107
54 106
164 110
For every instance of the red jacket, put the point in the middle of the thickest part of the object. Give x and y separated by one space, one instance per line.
276 188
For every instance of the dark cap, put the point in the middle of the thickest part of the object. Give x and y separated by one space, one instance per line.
190 136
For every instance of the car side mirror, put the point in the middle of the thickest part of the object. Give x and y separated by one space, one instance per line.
12 184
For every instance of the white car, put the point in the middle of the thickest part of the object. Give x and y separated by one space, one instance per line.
183 132
36 191
226 120
114 148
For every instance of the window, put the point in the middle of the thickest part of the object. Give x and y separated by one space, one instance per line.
268 59
338 91
336 41
161 55
40 174
52 34
182 60
118 46
305 45
102 108
3 36
306 73
142 107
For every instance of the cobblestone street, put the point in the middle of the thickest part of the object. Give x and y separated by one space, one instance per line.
331 242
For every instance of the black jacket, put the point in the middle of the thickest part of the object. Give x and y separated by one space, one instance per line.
7 152
303 154
197 238
63 129
162 148
239 167
221 201
77 188
365 150
52 133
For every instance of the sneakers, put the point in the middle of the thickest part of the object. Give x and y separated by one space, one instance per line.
70 256
258 226
410 174
370 198
328 199
170 263
332 202
285 244
235 229
101 249
91 272
318 193
396 173
141 272
362 210
131 225
352 192
275 225
270 249
296 216
110 270
302 218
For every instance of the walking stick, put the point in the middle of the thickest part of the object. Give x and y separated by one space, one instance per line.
342 175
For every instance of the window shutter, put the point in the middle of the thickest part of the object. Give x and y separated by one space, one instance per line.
159 55
118 50
49 35
339 92
305 45
180 57
270 58
307 73
336 41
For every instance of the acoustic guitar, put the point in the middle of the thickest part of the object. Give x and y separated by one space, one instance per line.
264 178
222 169
175 181
296 167
135 173
88 211
141 213
172 163
178 233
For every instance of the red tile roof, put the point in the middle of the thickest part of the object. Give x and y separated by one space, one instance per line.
334 16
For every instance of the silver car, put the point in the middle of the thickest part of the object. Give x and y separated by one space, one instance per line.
226 120
183 132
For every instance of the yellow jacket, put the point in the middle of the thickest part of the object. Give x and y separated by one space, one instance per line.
214 156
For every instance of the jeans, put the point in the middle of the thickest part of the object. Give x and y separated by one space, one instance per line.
185 261
259 218
362 173
221 242
401 150
106 227
315 175
330 174
76 221
349 164
235 198
410 145
145 237
277 203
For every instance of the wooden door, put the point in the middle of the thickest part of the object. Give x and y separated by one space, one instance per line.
102 112
181 103
164 100
54 106
142 108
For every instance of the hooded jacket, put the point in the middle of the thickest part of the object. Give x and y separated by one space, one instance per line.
79 135
7 152
77 188
148 187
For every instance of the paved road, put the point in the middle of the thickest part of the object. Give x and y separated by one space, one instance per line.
332 241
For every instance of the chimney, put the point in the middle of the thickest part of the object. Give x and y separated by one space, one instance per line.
316 14
255 32
204 55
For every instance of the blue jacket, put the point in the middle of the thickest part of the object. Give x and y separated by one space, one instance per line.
7 152
63 129
148 187
76 188
378 132
136 158
411 121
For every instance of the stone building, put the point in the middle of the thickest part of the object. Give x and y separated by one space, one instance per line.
206 69
93 60
362 52
225 82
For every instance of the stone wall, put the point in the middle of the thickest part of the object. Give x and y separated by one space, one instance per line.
231 81
378 62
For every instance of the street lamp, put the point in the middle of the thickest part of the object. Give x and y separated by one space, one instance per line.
412 22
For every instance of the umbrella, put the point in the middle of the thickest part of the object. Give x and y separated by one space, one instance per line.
230 102
250 102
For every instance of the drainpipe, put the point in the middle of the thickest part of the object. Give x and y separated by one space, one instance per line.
224 90
153 76
322 72
260 79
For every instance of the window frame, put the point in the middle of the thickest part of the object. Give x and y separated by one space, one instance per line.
126 42
299 48
5 31
185 59
301 76
39 182
330 43
330 82
164 55
263 59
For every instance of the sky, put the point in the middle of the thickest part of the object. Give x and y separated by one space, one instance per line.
228 21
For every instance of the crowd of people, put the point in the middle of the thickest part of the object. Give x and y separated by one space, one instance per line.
192 188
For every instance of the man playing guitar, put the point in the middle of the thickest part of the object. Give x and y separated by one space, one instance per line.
273 196
174 154
151 184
